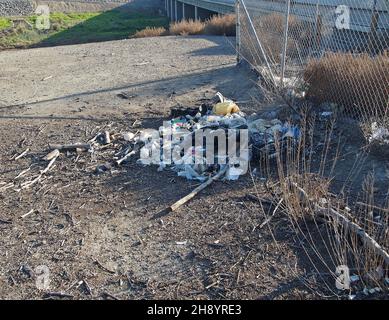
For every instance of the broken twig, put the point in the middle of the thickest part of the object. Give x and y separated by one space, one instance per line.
22 154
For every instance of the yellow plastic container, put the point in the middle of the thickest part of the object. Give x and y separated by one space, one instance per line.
224 108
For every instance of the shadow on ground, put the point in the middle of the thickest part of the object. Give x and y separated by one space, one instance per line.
118 23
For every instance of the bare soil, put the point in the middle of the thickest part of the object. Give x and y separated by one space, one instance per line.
99 228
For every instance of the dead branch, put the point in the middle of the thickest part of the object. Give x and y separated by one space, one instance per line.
49 165
267 220
348 225
7 186
201 187
28 184
27 214
23 173
22 154
128 155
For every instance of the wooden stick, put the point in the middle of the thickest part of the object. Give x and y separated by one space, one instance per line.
27 214
22 154
348 225
267 220
28 184
134 151
128 155
7 186
49 165
201 187
23 173
64 147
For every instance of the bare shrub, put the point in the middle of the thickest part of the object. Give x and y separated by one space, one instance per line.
221 25
187 27
150 32
359 83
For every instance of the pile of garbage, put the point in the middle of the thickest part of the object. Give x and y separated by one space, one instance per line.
228 141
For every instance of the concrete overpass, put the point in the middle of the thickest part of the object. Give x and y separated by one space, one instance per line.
306 10
197 9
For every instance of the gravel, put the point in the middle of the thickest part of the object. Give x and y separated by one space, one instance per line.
15 7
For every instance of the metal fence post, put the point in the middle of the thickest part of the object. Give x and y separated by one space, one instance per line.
175 11
237 10
285 48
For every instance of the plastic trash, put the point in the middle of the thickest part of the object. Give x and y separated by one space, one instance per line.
128 136
225 108
379 134
233 173
326 114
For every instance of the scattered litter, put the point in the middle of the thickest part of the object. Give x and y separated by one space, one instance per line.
214 141
354 278
225 106
128 136
379 134
374 290
193 162
326 114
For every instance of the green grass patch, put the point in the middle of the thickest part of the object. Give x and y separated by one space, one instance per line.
73 28
5 23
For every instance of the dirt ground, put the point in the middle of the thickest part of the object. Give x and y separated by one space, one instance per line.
99 228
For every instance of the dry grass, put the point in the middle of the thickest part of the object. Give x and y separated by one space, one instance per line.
357 83
216 25
221 25
187 27
151 32
304 188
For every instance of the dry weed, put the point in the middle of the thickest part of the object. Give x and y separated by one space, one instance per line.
359 83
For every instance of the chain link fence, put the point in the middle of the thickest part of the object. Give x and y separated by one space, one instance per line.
334 51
